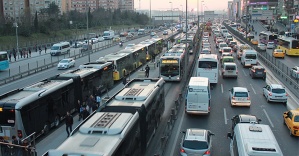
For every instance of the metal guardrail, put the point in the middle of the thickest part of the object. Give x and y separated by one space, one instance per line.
44 65
275 65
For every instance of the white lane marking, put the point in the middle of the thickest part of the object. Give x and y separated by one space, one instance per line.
177 135
244 72
252 89
221 88
268 118
225 118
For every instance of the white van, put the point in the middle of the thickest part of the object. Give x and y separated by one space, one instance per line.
253 139
60 48
230 69
108 35
198 96
249 58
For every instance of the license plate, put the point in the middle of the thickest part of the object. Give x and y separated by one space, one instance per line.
259 72
230 71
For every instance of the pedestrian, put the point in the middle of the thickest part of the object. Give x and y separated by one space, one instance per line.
26 52
4 148
35 48
80 112
21 53
9 55
124 80
45 49
90 104
147 69
85 113
68 123
17 150
27 150
15 56
30 52
40 50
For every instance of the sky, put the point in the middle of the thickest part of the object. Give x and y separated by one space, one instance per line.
209 5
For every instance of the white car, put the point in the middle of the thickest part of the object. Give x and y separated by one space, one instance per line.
275 93
153 33
262 46
239 96
129 46
206 51
95 40
295 72
66 63
270 45
221 45
101 39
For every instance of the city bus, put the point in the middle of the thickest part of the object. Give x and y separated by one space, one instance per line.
267 36
38 107
119 61
125 126
172 64
4 62
137 53
289 45
208 67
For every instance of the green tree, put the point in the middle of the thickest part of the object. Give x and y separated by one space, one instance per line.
53 10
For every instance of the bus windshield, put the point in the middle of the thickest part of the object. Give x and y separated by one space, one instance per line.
3 57
7 117
295 44
170 69
207 64
272 37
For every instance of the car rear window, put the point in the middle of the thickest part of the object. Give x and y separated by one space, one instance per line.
229 67
278 91
241 94
227 50
196 145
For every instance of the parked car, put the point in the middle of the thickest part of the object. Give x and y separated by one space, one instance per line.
262 46
291 120
257 72
278 53
275 93
196 141
295 72
66 63
239 96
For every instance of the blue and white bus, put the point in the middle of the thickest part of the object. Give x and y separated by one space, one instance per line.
4 62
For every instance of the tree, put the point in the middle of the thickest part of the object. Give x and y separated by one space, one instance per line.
35 22
53 10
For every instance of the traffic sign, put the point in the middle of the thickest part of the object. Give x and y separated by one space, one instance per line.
283 17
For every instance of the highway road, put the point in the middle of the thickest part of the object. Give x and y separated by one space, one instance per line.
53 71
218 121
289 61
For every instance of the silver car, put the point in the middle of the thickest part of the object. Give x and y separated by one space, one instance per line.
275 93
66 63
197 142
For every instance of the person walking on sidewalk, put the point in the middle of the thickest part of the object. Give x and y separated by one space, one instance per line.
40 50
68 123
29 52
9 56
147 69
45 49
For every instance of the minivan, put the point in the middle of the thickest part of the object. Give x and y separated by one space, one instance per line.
230 69
249 58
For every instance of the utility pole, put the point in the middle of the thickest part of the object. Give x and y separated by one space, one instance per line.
246 19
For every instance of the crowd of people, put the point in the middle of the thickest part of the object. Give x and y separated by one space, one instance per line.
15 54
17 147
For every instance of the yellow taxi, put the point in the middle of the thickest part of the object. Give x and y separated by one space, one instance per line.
291 120
254 41
278 53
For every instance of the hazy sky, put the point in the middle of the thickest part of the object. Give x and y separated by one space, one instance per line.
192 4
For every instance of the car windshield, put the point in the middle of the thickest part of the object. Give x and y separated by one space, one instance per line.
64 61
196 145
296 118
230 67
222 45
277 90
250 56
227 50
279 50
241 94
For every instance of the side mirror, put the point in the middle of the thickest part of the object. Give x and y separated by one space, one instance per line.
184 132
229 135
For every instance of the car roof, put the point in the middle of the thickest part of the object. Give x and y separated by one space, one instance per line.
278 86
261 67
230 63
226 48
196 134
247 118
240 89
67 59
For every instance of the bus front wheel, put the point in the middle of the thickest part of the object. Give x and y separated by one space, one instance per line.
57 121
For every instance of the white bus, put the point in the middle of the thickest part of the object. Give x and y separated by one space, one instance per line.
60 48
198 96
253 139
267 36
208 67
125 126
172 64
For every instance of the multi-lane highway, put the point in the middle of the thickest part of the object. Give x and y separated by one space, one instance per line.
218 121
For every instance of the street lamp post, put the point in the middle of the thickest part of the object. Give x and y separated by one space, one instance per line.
171 19
16 25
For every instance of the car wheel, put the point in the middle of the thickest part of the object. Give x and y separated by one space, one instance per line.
290 132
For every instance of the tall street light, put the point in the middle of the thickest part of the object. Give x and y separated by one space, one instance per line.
171 19
16 25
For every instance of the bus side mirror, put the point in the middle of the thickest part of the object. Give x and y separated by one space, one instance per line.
229 135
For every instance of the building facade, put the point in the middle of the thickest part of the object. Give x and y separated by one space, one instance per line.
230 10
